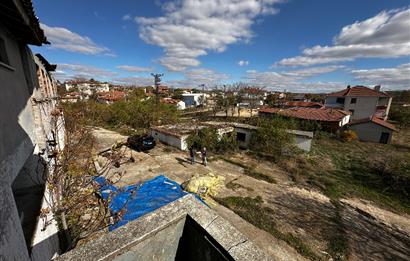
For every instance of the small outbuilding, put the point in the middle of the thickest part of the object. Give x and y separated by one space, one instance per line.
373 129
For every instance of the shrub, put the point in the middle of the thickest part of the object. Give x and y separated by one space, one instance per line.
348 136
272 136
209 138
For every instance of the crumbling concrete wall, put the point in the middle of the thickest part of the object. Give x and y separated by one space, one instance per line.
24 131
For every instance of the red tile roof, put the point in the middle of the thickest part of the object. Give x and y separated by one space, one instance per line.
358 91
316 114
303 104
169 101
112 96
375 120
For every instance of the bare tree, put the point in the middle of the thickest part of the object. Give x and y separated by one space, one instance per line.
75 198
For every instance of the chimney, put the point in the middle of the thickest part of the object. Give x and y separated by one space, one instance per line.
377 88
348 86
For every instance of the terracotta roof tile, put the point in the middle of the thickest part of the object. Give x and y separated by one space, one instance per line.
112 96
303 104
358 91
375 120
317 114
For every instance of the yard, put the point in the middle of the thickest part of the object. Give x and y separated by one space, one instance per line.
328 204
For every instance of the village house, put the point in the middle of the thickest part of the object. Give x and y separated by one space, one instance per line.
111 97
32 130
87 87
194 99
296 104
299 97
176 135
362 102
330 119
71 97
178 103
373 129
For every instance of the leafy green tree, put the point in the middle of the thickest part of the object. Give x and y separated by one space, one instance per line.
272 136
400 114
210 139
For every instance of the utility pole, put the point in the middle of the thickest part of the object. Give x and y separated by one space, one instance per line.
157 81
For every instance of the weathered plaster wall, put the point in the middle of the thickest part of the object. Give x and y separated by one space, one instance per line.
370 131
17 139
363 108
24 129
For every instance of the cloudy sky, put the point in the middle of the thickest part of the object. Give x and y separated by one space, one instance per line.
297 45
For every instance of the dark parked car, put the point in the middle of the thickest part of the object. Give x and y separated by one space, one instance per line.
141 143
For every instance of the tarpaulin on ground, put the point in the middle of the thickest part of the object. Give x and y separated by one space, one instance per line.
131 202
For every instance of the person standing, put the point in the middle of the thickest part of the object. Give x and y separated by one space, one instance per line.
203 155
192 155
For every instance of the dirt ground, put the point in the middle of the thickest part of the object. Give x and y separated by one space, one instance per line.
373 233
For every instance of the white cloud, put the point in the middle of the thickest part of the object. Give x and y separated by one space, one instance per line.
69 71
127 17
312 71
391 78
134 80
62 38
385 35
191 28
130 68
243 63
196 77
294 80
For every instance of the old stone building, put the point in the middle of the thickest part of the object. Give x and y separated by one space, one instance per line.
31 131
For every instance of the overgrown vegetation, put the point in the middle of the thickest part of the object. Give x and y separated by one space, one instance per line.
272 137
340 169
76 202
128 116
210 139
252 210
400 115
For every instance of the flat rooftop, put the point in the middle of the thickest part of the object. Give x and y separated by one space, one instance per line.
185 229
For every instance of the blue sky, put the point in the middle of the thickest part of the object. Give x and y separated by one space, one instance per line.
298 45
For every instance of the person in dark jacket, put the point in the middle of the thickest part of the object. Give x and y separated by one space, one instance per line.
192 155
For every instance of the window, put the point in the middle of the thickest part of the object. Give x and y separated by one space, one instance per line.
3 52
340 100
352 111
353 100
384 138
240 136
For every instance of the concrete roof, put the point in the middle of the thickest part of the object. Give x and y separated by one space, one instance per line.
121 244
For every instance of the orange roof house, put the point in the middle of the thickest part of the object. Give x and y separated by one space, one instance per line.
359 91
361 101
373 129
331 119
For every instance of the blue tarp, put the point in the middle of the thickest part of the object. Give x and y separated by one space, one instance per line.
139 199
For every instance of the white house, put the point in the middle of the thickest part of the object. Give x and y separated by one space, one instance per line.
362 102
176 135
194 99
373 129
101 87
